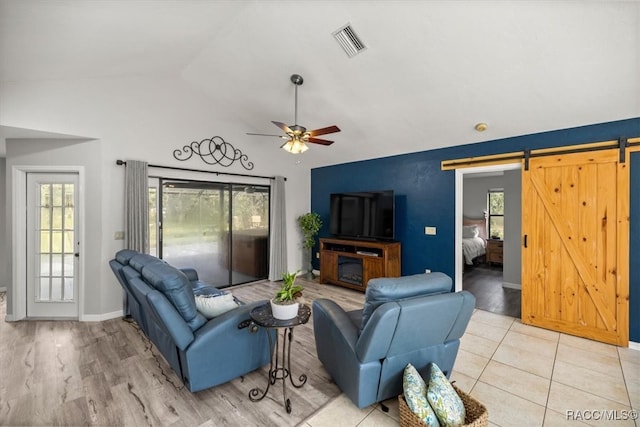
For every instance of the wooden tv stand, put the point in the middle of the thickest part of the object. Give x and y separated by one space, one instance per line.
352 263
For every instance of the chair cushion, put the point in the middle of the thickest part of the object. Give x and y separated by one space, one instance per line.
211 306
444 400
176 287
386 289
415 393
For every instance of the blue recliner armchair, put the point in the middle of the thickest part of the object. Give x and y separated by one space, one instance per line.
412 319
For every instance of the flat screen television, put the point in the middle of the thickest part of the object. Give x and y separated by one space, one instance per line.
367 215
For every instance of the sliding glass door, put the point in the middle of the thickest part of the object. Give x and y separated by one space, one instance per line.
249 237
220 229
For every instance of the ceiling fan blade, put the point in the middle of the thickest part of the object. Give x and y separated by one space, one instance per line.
282 126
324 131
267 134
320 141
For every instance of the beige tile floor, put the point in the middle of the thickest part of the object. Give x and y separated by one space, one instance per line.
525 376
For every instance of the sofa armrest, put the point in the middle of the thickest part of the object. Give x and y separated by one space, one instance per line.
219 325
191 274
225 348
336 342
333 329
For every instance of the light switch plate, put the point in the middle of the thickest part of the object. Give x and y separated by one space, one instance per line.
430 231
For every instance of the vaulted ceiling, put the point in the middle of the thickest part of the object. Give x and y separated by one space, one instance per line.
431 70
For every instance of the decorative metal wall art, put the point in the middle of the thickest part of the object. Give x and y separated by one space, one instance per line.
214 151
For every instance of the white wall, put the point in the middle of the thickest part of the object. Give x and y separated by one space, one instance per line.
475 194
5 278
512 271
25 153
141 119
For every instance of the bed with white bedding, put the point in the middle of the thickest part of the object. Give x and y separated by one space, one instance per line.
474 239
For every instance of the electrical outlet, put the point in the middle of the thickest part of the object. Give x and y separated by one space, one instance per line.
317 255
430 231
427 271
118 235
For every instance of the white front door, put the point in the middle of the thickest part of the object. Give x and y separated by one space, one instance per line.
52 245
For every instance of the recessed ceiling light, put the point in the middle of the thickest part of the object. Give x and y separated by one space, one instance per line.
481 127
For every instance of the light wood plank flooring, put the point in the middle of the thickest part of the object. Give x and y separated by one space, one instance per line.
108 374
104 373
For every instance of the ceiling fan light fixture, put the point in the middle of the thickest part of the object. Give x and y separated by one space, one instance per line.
298 136
294 146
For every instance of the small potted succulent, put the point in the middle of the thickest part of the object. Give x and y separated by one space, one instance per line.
285 304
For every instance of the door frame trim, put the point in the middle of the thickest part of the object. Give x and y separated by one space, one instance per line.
460 172
19 235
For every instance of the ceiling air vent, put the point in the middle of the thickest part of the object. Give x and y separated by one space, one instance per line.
349 40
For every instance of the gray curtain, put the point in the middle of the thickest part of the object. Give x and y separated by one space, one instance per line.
136 208
278 241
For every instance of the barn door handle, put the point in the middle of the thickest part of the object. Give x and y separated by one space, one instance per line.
525 240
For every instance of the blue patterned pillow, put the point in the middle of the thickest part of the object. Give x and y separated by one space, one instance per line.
443 399
415 393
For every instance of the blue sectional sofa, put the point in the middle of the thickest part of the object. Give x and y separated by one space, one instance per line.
203 352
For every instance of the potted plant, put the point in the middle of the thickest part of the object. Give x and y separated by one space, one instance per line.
285 304
310 224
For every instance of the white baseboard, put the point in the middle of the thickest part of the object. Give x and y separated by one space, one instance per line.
512 285
85 318
634 345
101 317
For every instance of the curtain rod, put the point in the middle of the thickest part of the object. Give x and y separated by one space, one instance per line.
122 162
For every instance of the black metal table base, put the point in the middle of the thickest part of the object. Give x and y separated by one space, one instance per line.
280 369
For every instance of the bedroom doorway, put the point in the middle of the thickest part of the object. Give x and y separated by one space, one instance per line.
488 236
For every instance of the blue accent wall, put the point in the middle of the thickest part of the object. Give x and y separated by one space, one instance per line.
425 195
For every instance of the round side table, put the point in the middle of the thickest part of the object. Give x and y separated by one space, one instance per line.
279 369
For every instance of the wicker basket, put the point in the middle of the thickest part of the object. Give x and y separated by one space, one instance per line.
476 412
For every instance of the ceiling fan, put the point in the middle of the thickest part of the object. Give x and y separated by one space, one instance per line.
298 136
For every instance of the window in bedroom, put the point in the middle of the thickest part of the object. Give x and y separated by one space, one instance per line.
495 200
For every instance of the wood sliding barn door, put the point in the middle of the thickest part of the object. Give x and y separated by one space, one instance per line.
575 257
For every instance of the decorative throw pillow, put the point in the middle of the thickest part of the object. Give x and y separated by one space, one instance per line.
415 393
443 399
214 305
470 231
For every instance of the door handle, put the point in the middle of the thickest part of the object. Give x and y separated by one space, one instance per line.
77 255
525 240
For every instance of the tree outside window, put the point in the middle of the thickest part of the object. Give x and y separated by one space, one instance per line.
496 214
